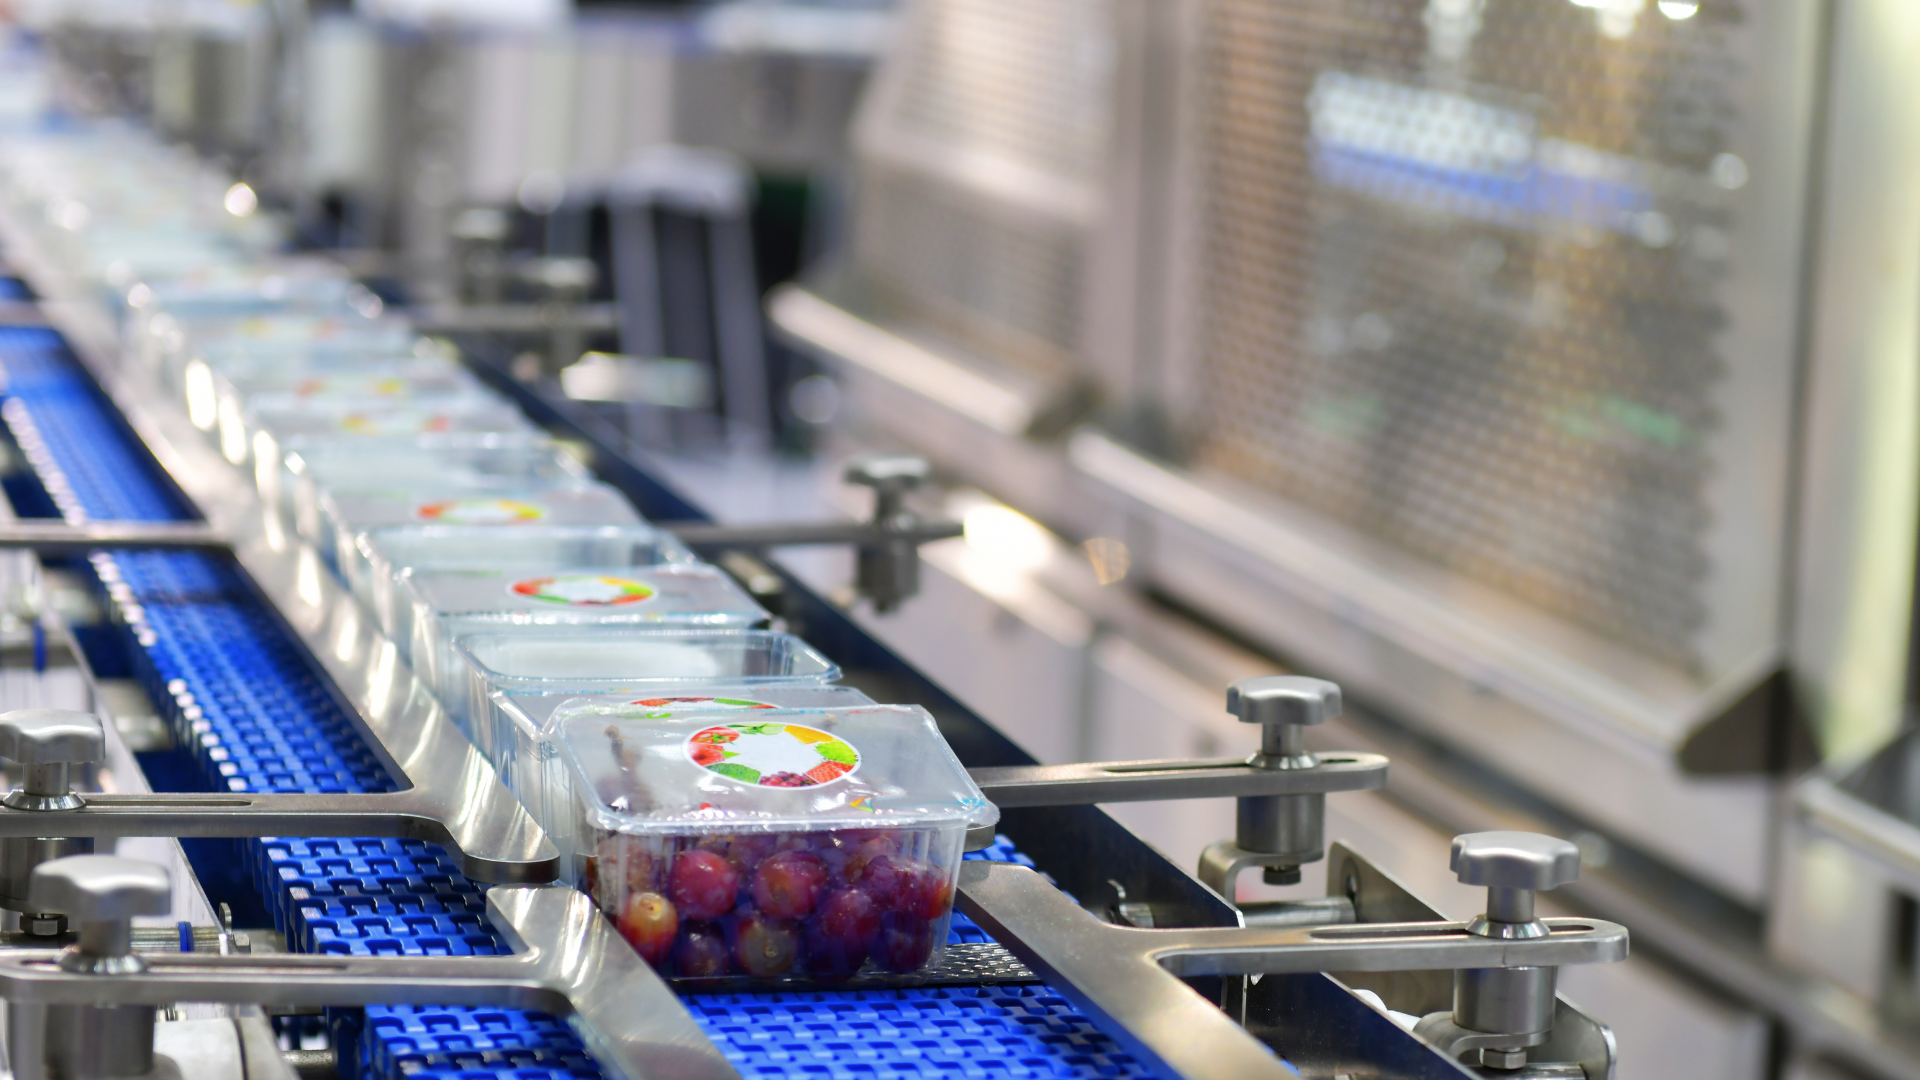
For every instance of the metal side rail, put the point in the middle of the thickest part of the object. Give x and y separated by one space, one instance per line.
567 959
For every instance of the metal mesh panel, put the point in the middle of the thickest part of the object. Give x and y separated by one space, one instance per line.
1458 264
1006 287
983 159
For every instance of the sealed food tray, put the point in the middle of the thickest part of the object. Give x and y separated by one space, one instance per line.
570 661
345 515
476 461
532 767
803 845
389 553
449 603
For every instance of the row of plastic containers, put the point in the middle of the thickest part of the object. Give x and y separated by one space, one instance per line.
731 808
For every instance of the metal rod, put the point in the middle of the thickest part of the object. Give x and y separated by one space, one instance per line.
1142 781
794 533
59 537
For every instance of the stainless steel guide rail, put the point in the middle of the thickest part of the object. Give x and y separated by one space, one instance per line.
1130 978
1151 781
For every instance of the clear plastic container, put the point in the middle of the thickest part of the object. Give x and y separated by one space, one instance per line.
473 461
789 845
536 775
345 515
227 408
570 661
391 552
279 432
450 603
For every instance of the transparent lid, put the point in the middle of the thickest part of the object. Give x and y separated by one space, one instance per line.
597 660
569 502
867 767
287 385
469 460
465 547
335 421
685 592
544 713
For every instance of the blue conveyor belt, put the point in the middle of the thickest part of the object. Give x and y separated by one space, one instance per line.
255 715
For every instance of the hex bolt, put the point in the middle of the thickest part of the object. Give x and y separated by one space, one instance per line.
47 743
1513 866
102 894
888 571
1292 826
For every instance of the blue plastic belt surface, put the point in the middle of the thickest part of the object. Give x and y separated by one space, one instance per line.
243 698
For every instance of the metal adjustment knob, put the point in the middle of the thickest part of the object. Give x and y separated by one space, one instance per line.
889 571
1513 1007
48 743
102 893
1292 827
1513 866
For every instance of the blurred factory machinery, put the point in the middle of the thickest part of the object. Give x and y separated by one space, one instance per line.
1546 372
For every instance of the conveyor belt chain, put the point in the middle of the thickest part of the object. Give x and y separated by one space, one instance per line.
257 718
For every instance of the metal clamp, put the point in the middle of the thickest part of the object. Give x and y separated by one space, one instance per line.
1278 832
1500 1012
47 744
567 959
1127 980
468 811
887 544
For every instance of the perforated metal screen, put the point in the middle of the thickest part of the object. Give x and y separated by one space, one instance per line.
1457 284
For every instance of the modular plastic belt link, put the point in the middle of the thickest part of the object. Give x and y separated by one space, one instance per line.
256 718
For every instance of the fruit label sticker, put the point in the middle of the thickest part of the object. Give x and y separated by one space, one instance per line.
480 512
582 590
662 708
399 423
772 755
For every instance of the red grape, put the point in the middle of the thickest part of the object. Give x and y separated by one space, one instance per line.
703 884
869 849
904 943
933 896
788 885
892 880
649 923
764 947
701 952
837 938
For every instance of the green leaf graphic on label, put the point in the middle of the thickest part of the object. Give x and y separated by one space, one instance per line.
835 750
759 729
736 772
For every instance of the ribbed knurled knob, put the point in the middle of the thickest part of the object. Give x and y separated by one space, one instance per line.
101 888
1284 699
1515 860
51 737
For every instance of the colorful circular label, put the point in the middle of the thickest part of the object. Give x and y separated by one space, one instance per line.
772 755
480 512
704 704
582 590
403 423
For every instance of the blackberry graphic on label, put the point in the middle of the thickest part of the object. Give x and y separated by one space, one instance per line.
772 755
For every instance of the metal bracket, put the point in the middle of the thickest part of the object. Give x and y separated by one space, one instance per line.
1127 980
567 959
811 533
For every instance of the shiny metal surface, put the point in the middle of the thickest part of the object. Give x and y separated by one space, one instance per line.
1131 781
78 538
1128 979
568 960
787 534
